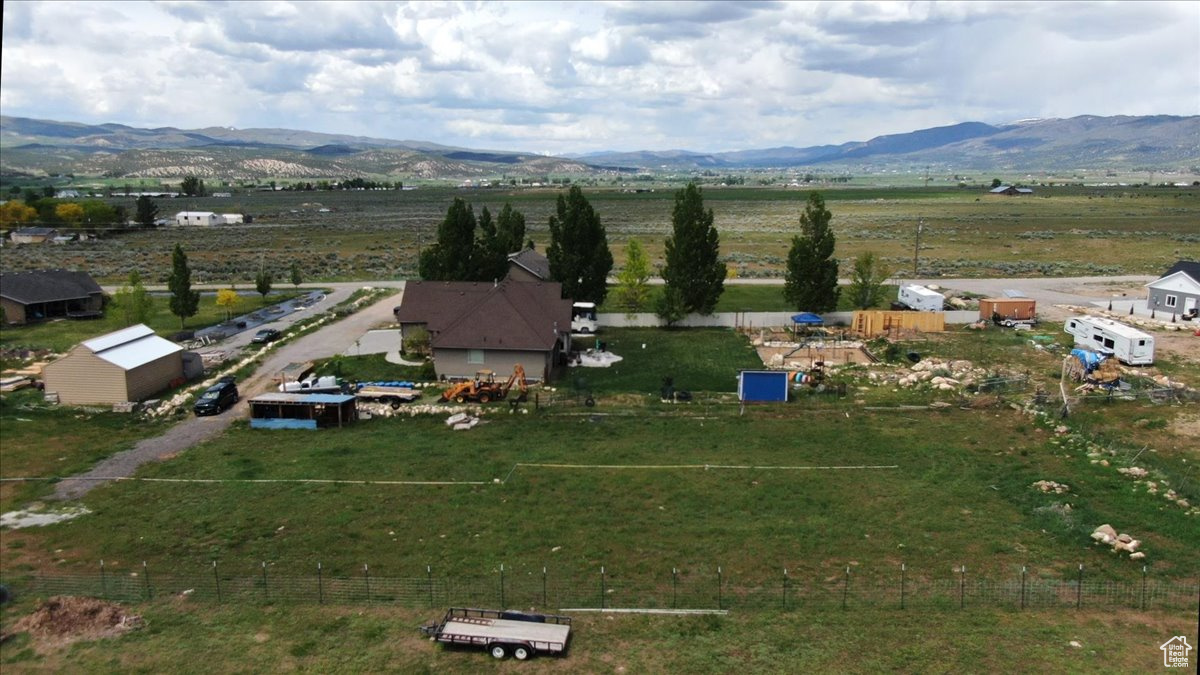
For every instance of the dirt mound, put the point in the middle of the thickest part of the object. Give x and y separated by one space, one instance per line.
65 617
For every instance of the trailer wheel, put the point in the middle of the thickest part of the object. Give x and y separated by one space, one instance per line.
395 403
498 651
521 652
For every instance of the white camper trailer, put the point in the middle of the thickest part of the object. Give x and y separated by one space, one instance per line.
920 298
1130 345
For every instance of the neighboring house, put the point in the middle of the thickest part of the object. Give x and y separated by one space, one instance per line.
1011 191
67 194
33 235
1177 290
198 218
48 294
477 326
132 364
232 218
528 265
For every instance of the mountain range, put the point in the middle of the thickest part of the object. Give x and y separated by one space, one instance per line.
30 147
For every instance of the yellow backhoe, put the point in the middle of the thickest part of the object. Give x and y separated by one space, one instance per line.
484 388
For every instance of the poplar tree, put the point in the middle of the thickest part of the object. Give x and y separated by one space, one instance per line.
694 269
810 283
579 256
184 301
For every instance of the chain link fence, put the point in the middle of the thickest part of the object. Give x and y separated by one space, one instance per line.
553 590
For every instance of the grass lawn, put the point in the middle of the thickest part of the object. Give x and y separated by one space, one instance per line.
62 334
185 637
45 440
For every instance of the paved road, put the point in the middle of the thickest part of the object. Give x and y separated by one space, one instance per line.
329 339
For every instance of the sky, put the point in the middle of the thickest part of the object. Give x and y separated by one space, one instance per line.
573 78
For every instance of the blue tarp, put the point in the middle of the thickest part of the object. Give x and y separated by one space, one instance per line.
762 385
808 319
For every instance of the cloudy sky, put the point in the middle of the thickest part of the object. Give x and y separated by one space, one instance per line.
579 77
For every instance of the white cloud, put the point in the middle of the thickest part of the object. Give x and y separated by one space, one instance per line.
578 77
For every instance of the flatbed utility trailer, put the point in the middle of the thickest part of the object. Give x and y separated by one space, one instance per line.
503 633
393 394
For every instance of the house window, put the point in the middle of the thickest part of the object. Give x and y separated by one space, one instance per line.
475 356
1172 300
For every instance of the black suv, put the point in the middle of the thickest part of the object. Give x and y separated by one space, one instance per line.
265 335
218 398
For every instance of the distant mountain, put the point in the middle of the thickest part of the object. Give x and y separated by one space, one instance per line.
39 147
1078 142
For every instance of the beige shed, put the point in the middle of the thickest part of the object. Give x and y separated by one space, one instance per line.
131 364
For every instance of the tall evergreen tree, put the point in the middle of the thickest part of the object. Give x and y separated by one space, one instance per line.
147 211
692 251
184 301
489 257
810 283
449 259
579 256
510 229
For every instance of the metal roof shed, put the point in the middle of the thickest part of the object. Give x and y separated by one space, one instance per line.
131 364
302 411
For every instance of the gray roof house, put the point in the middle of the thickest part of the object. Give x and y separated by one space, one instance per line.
1177 291
476 326
528 265
1011 190
48 294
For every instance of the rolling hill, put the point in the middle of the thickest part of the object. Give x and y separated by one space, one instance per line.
42 147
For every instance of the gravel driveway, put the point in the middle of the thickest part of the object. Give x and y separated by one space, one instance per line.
330 339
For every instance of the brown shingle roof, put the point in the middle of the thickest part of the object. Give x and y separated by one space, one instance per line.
509 315
533 262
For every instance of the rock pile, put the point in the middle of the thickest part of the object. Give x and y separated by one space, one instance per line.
942 375
1051 486
1105 534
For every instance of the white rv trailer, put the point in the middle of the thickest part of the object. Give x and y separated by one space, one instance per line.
1130 345
920 298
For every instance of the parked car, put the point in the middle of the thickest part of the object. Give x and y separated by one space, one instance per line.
217 398
266 335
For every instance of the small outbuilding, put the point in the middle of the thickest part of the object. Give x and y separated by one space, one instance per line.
199 218
132 364
1011 190
33 235
302 411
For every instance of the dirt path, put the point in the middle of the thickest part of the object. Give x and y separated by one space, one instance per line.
331 339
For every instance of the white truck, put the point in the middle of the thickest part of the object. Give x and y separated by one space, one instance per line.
503 633
583 317
1130 345
920 298
326 384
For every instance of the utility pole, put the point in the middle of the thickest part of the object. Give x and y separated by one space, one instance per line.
917 247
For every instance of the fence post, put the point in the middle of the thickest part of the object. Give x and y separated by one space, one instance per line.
1079 589
502 586
962 586
367 582
266 590
719 603
603 586
903 579
846 587
545 602
103 582
674 587
785 585
1143 588
429 584
217 580
1022 587
146 581
320 586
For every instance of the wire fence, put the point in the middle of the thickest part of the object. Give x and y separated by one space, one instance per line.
849 589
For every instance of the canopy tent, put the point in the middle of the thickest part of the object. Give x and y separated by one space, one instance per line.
807 319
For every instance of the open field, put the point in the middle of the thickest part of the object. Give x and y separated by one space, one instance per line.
1058 231
185 637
